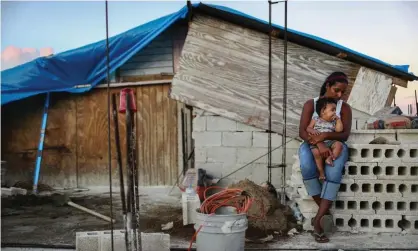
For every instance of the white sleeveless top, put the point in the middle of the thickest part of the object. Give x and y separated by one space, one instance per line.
338 109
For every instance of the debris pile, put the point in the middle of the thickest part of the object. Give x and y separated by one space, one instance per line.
266 215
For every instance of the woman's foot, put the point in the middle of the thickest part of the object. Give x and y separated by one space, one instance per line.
318 231
320 238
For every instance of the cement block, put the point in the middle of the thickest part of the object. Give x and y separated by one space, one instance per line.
241 127
237 139
410 224
260 139
366 136
219 124
222 154
347 188
354 205
215 169
359 171
397 171
246 155
189 206
101 241
376 223
200 154
307 206
407 136
199 124
343 222
383 153
207 138
395 205
378 188
5 192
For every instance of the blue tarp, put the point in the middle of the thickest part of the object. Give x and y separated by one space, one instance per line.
86 66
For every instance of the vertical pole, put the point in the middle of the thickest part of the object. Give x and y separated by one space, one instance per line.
283 197
41 145
416 103
269 96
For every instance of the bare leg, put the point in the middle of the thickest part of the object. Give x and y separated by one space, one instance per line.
317 200
319 163
336 148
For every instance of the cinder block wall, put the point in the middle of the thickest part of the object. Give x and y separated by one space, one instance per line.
223 145
379 191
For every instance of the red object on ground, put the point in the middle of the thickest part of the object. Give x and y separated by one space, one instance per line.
122 106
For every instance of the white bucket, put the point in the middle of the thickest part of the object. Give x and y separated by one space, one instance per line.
223 231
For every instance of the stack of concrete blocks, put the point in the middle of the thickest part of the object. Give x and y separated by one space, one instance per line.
379 190
101 241
223 145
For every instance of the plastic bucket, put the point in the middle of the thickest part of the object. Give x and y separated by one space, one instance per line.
223 231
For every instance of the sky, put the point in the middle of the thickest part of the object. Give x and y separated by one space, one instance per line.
382 29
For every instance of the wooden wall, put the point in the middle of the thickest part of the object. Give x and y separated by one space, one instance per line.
76 149
224 70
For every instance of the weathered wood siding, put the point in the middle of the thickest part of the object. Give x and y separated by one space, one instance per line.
371 90
76 149
224 70
155 58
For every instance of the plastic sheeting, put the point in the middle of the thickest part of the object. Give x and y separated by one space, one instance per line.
79 70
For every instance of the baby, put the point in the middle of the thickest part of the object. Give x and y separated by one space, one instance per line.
327 121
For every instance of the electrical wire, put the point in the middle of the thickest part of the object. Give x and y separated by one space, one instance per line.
108 123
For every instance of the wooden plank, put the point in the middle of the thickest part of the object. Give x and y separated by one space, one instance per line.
144 58
140 128
149 77
155 51
400 82
166 145
153 132
149 71
146 137
159 129
371 90
173 139
224 69
391 95
146 65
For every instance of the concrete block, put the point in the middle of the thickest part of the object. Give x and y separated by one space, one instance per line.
358 171
237 139
407 136
408 188
199 124
354 205
207 138
260 139
18 191
343 222
189 206
215 169
222 154
200 154
101 241
376 223
397 171
347 188
410 224
383 153
307 206
307 221
219 124
5 192
246 155
366 136
378 188
395 205
293 144
241 127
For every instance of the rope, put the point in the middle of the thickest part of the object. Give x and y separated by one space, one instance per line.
108 123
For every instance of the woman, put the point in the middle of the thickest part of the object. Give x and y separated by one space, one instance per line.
324 193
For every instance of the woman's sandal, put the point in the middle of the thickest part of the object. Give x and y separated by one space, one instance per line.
320 238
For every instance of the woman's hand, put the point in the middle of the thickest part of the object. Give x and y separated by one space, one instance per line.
316 138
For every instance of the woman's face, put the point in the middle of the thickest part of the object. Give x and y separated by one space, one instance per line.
336 91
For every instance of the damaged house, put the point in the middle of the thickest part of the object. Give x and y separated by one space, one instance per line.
200 79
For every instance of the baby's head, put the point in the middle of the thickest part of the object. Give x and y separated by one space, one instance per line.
326 108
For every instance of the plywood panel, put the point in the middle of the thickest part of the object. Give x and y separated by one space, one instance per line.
372 89
391 96
224 69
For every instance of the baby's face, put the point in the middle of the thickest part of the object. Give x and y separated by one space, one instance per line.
329 112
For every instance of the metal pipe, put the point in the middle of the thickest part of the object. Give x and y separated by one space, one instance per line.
283 197
269 97
416 102
41 145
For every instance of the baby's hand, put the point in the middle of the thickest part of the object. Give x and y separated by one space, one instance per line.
336 118
313 131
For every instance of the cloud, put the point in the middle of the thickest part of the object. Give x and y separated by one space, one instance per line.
13 56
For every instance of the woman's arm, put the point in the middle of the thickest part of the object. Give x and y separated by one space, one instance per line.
339 127
305 119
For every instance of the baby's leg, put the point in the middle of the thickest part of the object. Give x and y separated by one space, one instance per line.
336 148
319 163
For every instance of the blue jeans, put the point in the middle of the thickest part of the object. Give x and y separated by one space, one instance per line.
333 174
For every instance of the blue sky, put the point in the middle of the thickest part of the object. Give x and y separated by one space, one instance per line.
385 30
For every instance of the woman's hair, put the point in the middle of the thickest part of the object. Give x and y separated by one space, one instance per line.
333 78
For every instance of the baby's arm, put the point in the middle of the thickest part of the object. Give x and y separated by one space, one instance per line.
311 129
339 125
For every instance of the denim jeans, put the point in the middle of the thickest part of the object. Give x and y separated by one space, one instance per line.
329 188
